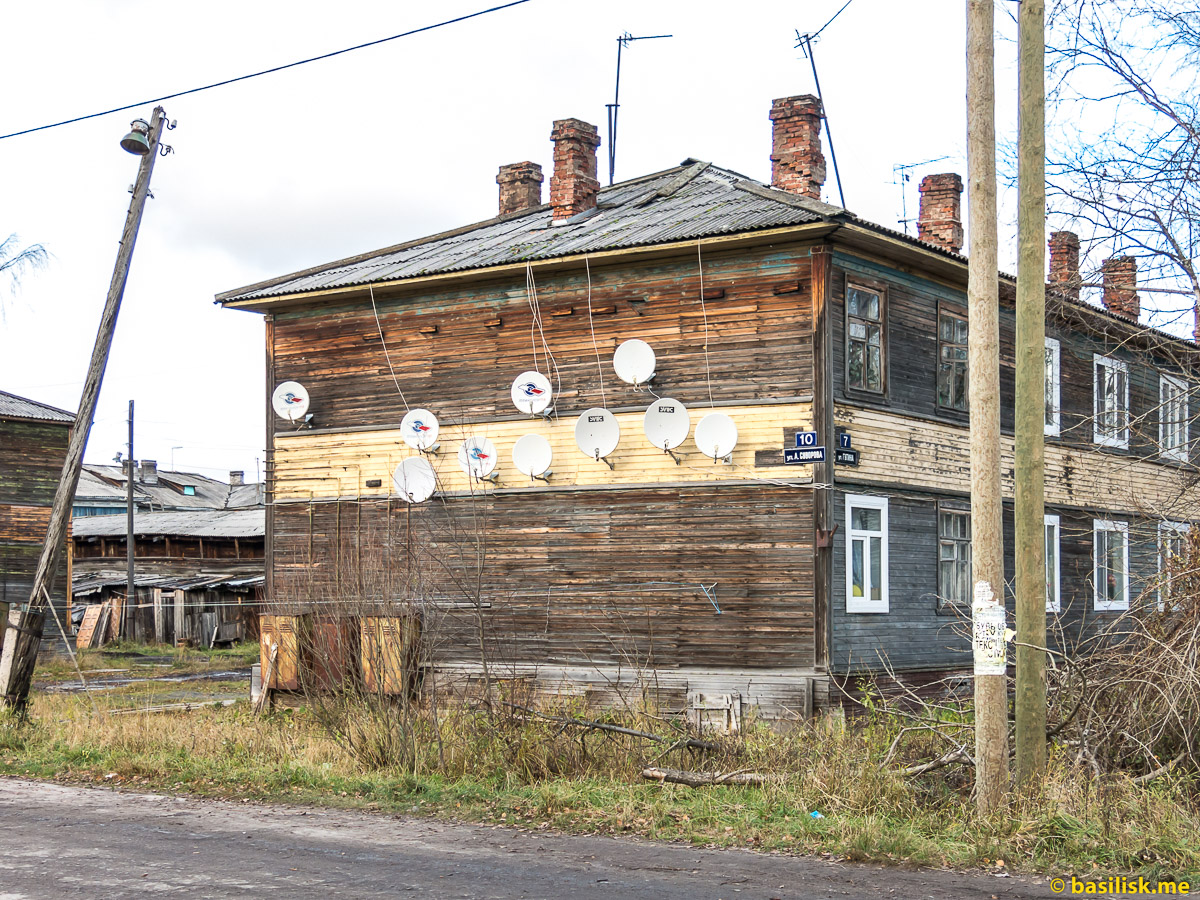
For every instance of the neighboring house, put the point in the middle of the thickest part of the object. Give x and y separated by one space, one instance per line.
33 446
194 571
102 490
766 582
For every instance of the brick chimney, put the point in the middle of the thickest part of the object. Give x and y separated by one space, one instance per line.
1064 263
940 219
149 473
797 164
237 479
1120 287
520 187
573 185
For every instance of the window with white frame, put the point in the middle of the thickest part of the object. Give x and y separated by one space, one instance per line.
1111 564
1053 402
1172 417
1172 544
866 554
954 556
1053 563
1110 411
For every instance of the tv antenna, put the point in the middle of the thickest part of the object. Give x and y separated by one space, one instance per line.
902 175
615 106
804 44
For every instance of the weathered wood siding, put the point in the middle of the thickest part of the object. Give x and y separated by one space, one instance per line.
611 577
31 459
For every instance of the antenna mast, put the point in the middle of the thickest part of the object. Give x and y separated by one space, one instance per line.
615 106
901 175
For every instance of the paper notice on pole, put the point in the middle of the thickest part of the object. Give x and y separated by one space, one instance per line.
987 632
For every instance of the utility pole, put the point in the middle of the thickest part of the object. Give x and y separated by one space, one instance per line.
987 509
1031 396
130 590
23 638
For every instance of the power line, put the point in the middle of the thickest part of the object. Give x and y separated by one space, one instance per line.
292 65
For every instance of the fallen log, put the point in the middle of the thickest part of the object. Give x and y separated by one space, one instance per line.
172 707
707 779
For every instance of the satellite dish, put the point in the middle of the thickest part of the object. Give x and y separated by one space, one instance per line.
419 428
667 423
532 455
477 456
531 392
290 401
716 435
634 362
415 480
597 432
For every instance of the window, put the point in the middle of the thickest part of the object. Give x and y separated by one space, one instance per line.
1053 589
952 361
189 490
954 557
866 554
1111 549
1172 545
864 339
1172 418
1053 403
1110 413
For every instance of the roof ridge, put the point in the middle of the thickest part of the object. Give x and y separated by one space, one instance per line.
817 207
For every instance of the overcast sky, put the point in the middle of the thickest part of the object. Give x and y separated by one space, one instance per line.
382 145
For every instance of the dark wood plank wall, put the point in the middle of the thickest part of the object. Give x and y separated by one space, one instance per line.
31 459
572 577
759 339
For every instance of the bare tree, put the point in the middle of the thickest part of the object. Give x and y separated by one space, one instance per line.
16 261
1123 166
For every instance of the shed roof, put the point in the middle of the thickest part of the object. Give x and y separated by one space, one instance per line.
14 407
695 199
227 523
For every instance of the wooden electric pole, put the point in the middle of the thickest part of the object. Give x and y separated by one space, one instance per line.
23 638
130 590
1031 396
987 509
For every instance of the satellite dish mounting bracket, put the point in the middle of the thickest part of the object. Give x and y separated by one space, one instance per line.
430 451
671 453
545 476
605 460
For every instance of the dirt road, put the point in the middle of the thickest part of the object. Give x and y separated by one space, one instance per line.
58 841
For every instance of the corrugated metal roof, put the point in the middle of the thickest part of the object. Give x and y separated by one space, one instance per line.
693 200
12 406
184 523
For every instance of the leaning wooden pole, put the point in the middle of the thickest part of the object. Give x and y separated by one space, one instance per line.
1030 423
987 510
22 641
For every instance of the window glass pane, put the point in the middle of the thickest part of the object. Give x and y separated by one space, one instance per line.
854 365
872 307
857 587
865 519
858 331
874 379
853 307
876 568
873 335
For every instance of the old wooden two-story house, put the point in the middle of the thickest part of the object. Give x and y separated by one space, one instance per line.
33 445
761 573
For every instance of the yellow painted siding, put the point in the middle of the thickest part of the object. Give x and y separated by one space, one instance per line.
919 453
322 466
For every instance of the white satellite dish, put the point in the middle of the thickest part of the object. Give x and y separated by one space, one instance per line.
415 480
634 362
531 392
419 428
477 456
290 401
667 423
597 433
716 435
532 455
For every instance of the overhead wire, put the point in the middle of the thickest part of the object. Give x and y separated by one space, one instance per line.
704 313
273 69
386 355
537 331
592 325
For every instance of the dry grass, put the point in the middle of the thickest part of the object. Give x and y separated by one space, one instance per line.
534 773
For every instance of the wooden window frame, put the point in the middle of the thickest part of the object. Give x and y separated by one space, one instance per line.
882 292
961 315
1178 530
1053 603
1179 453
1053 428
954 509
1103 439
865 604
1109 526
